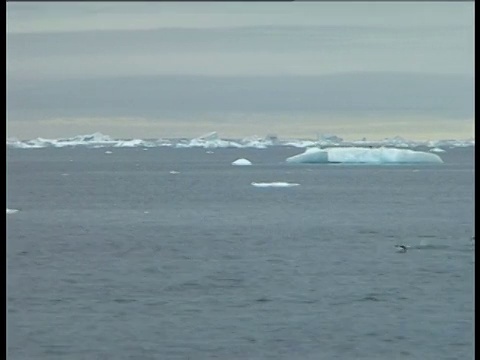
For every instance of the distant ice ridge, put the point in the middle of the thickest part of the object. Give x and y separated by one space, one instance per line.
95 140
213 140
11 211
210 140
364 155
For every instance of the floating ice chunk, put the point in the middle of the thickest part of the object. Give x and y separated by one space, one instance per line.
300 143
436 149
258 142
11 211
174 172
108 152
274 184
311 155
242 162
129 143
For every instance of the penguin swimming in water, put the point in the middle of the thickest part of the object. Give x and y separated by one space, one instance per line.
401 248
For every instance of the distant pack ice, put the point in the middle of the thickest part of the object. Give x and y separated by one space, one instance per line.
364 155
213 140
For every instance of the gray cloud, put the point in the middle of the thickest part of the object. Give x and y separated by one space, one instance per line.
239 51
79 16
159 60
156 96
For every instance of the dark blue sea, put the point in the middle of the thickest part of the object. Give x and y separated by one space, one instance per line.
112 256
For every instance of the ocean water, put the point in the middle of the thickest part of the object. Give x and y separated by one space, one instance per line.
112 256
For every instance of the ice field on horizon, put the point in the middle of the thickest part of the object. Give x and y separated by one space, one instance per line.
213 140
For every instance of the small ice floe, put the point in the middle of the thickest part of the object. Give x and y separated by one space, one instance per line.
174 172
208 152
436 149
242 162
146 212
11 211
145 149
108 152
274 184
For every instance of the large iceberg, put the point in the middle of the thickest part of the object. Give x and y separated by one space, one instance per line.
364 155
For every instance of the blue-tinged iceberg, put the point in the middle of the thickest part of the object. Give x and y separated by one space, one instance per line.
364 156
312 155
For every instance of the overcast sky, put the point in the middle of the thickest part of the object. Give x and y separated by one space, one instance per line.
295 69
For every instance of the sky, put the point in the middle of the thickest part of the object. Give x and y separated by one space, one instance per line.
295 69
